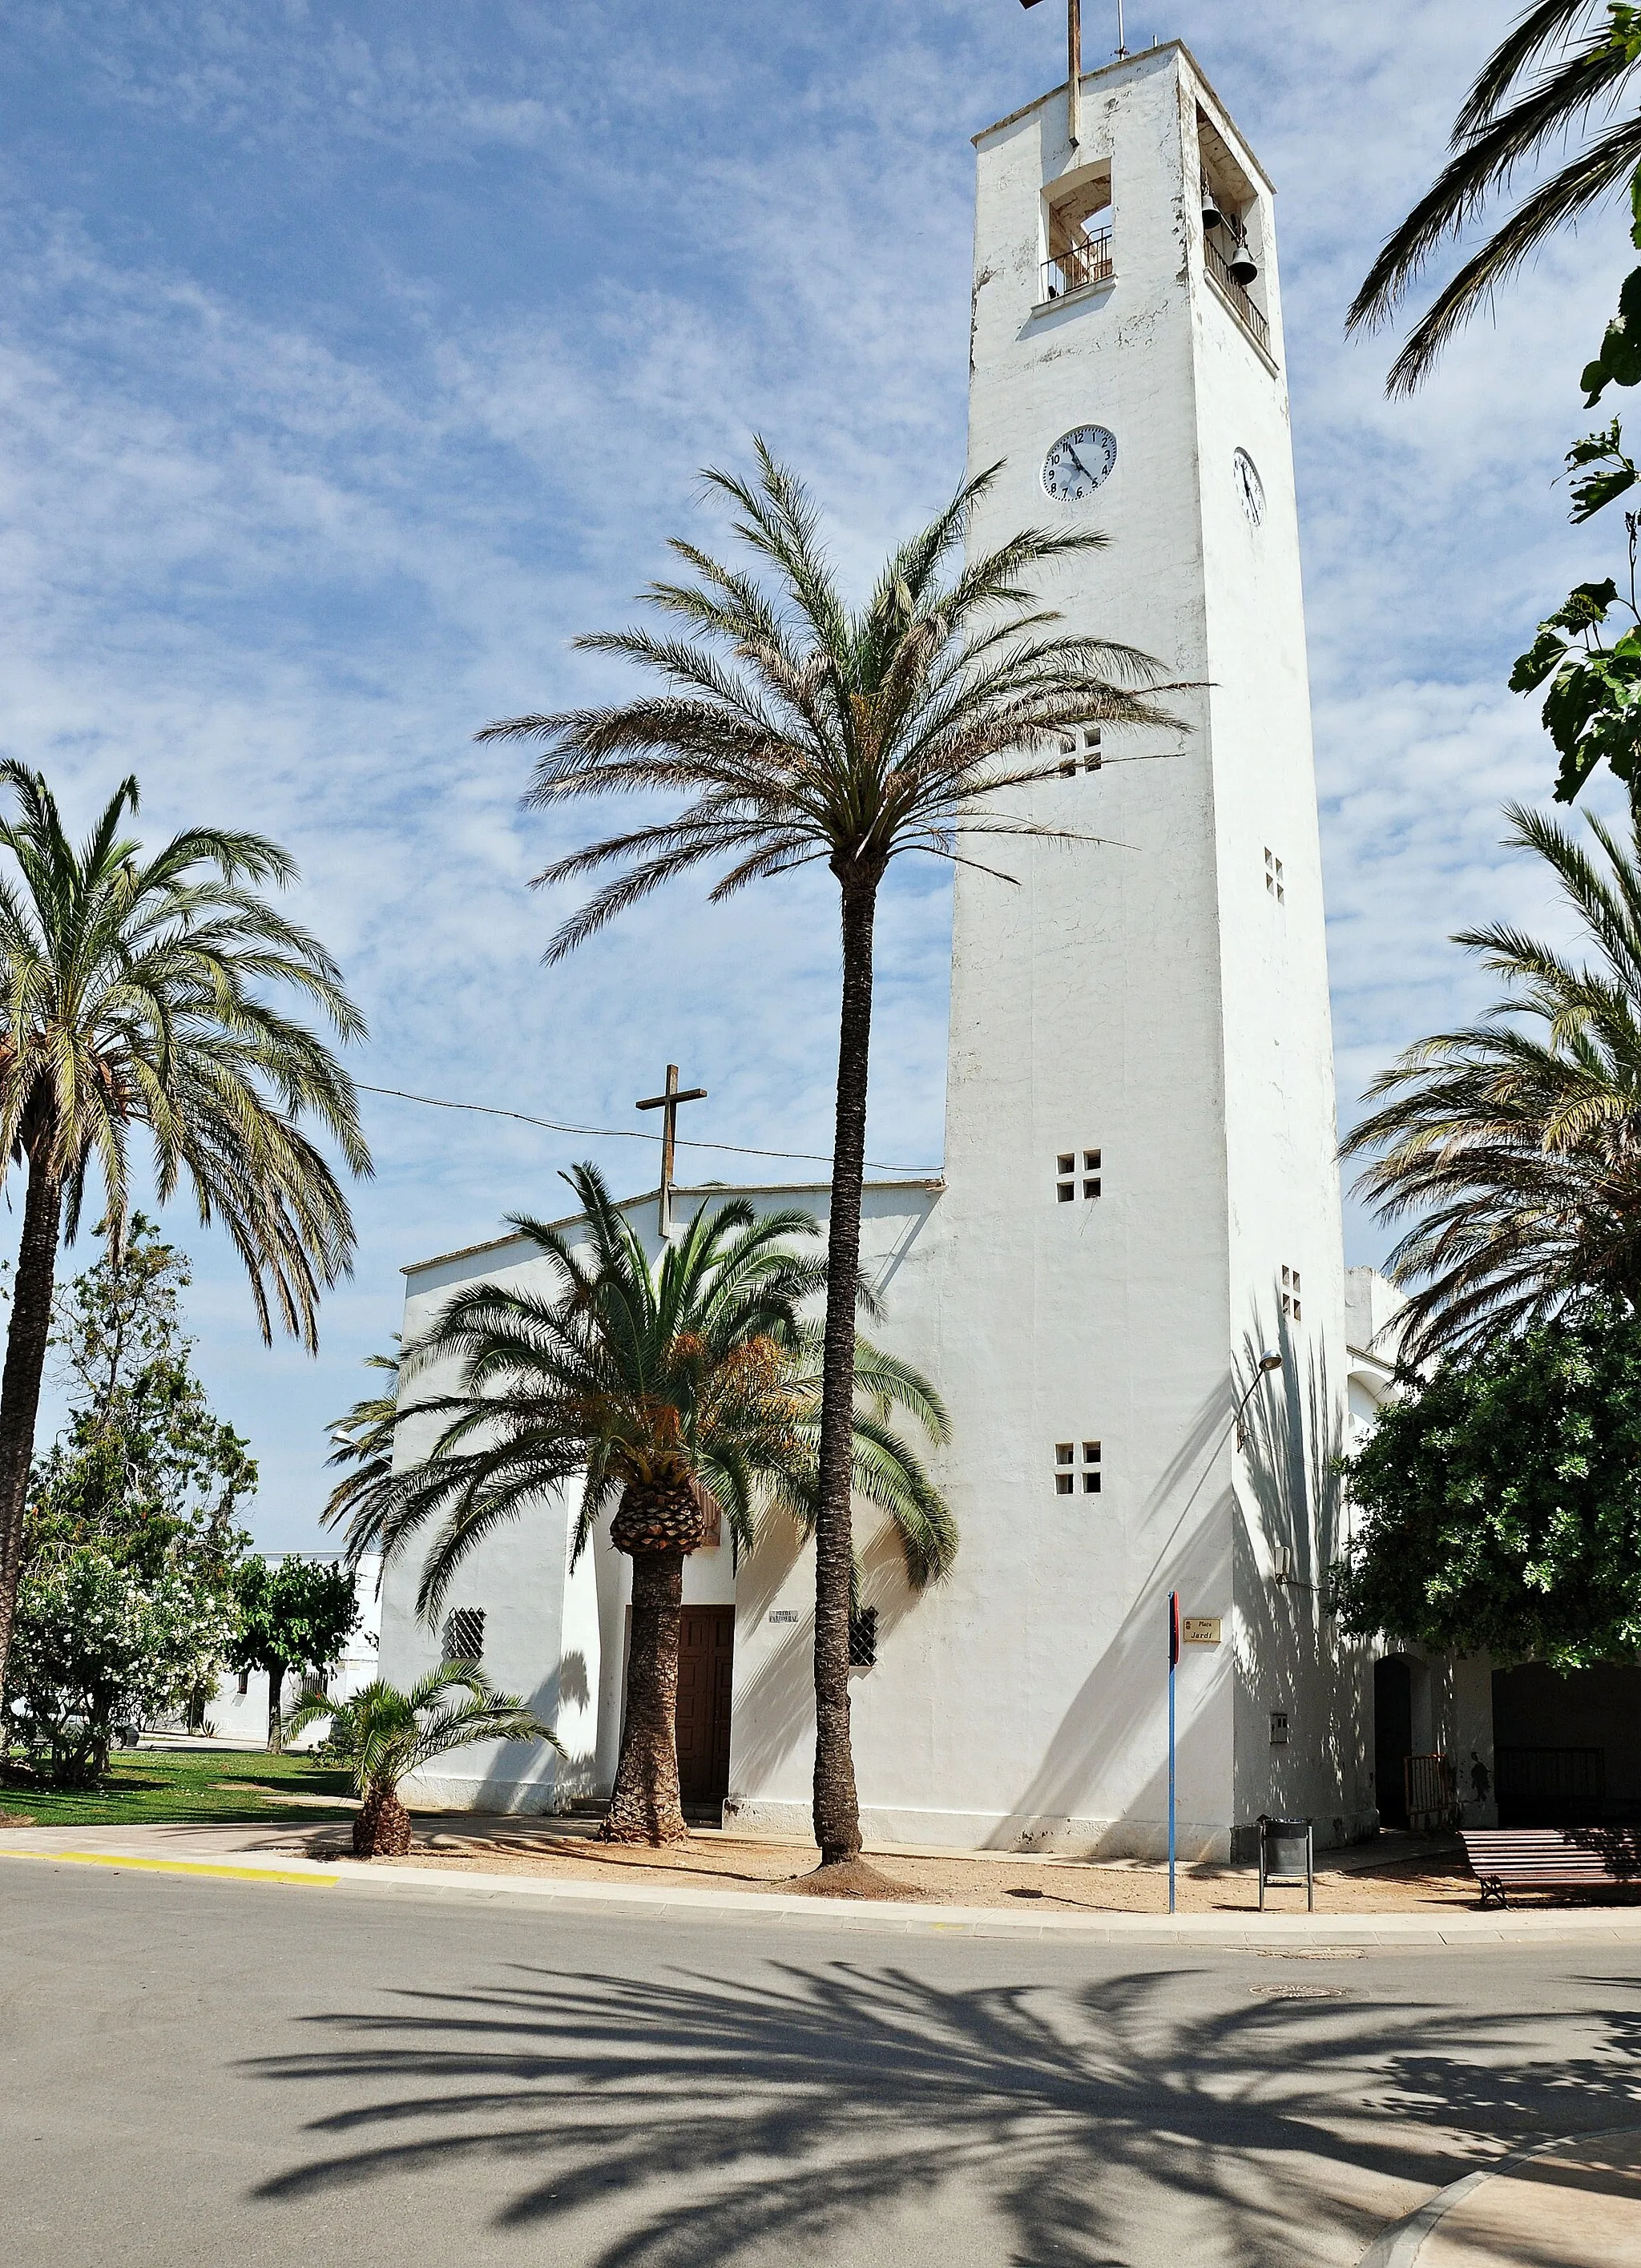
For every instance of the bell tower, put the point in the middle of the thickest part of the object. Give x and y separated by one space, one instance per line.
1140 1130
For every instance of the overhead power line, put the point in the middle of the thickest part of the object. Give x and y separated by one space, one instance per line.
623 1133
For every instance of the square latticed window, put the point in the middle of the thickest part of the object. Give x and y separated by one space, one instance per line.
1091 1468
1079 750
1291 1293
1066 1175
463 1634
1275 886
1064 1459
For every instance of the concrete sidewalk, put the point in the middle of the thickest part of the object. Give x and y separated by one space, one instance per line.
1576 2202
267 1854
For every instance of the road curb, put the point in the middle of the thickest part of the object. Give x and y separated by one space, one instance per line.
1269 1932
1400 2247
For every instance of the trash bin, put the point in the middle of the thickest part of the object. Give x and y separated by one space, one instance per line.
1285 1857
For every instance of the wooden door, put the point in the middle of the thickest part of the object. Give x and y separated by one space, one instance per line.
706 1655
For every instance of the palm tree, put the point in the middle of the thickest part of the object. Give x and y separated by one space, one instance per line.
674 1392
1516 1142
1562 62
133 997
806 731
386 1735
363 1439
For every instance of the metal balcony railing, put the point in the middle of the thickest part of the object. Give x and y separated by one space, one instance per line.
1079 266
1254 322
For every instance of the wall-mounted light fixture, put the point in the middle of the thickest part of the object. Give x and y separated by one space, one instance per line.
1267 1362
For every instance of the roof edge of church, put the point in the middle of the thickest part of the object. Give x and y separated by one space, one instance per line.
1158 47
680 1190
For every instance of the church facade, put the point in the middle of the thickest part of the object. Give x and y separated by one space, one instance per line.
1140 1196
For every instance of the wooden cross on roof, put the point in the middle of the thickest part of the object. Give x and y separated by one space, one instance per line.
667 1104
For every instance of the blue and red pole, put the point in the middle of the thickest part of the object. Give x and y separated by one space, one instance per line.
1173 1656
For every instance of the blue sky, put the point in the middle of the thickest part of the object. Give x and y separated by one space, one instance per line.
354 357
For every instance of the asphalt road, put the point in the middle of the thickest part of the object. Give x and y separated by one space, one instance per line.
236 2074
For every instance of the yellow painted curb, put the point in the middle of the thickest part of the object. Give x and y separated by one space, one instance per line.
174 1867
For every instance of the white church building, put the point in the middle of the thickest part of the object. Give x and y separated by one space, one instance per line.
1141 1193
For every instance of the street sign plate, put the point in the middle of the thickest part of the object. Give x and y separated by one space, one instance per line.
1200 1630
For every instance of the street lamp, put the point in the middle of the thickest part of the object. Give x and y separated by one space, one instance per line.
1267 1362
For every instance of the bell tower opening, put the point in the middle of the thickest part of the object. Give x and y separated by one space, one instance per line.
1234 231
1076 217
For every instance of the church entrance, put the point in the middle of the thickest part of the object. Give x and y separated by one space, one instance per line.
706 1655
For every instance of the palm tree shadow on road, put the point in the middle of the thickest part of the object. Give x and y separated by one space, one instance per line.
732 2122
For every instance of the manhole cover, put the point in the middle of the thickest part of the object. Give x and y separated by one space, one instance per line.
1302 1992
1334 1952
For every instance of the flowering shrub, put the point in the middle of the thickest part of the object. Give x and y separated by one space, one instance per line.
96 1646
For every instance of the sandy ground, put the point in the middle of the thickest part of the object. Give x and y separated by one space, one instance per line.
1423 1882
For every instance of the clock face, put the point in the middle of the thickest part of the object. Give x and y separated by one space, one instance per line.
1250 490
1078 463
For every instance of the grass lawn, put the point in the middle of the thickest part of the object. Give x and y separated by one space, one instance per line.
147 1785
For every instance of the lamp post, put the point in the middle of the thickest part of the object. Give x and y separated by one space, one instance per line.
1267 1362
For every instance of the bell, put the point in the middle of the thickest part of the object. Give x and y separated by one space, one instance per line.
1212 217
1242 266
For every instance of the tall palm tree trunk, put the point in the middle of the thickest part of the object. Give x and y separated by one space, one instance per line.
24 1365
645 1805
275 1707
836 1806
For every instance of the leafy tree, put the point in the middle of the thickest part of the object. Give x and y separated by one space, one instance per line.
98 1644
1559 67
296 1613
1515 1143
668 1392
386 1735
807 732
144 1468
133 996
1503 1501
1592 709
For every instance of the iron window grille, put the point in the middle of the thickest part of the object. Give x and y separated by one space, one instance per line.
463 1634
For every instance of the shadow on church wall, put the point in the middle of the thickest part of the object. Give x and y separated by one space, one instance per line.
1108 1757
1292 1655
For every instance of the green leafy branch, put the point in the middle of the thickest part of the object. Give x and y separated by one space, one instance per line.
1592 709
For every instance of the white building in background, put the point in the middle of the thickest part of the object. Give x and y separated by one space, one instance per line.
1140 1192
238 1708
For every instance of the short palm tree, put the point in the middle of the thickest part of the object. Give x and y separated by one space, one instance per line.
1563 63
805 731
1516 1143
386 1735
133 996
671 1393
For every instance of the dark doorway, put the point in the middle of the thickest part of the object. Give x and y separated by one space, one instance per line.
1567 1746
1393 1737
706 1656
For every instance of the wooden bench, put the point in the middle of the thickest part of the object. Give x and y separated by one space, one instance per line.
1505 1859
